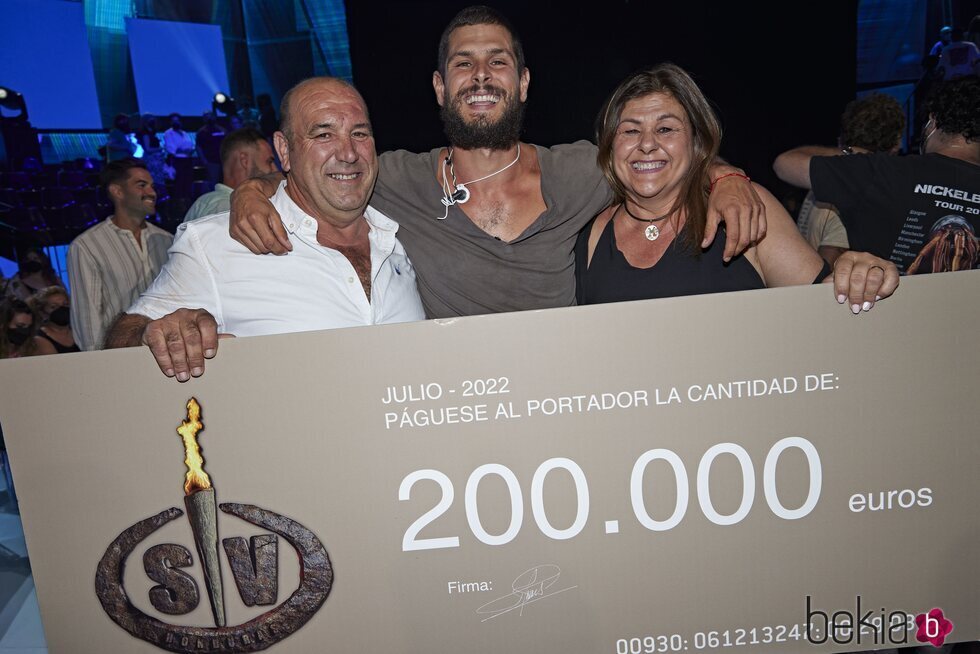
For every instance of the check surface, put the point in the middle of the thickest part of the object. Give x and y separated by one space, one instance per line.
645 477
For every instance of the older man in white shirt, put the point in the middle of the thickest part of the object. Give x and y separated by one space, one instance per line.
348 253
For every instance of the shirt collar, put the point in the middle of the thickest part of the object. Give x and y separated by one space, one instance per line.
297 221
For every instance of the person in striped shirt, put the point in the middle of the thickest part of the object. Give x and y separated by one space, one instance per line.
110 264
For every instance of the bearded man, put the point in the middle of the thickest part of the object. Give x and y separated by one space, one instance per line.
490 222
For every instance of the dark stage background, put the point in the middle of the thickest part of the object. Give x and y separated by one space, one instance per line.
775 81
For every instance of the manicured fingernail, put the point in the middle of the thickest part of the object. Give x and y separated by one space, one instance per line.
183 376
169 372
855 308
841 298
208 353
867 305
877 297
197 372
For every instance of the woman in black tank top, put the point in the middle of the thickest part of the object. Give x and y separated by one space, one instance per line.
55 335
657 137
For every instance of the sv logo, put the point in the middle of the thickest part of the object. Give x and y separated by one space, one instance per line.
255 569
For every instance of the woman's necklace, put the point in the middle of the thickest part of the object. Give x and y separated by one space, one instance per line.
652 232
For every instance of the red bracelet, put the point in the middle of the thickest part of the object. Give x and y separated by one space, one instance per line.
712 187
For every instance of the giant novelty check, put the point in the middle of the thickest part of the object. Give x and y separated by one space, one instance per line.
757 471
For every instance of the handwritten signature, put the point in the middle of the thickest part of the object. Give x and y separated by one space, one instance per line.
530 586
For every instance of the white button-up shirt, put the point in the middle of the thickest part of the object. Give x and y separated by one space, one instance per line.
313 287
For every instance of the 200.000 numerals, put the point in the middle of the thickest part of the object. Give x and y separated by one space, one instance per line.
411 541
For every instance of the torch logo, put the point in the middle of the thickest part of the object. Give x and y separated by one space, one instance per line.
254 566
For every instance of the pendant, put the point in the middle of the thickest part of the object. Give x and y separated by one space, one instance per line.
652 232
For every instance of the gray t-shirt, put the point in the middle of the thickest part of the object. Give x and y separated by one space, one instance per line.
462 270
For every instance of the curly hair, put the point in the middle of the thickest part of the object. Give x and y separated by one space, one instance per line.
875 122
955 106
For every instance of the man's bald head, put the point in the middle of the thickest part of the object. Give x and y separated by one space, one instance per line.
309 84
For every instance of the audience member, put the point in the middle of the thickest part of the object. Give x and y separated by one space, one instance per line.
248 114
960 58
147 134
33 274
209 139
244 154
347 268
54 336
921 211
872 124
268 123
945 38
110 264
154 156
18 326
119 146
176 141
973 31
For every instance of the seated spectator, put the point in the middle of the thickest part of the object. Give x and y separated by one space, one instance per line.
34 273
244 154
872 124
54 336
120 144
154 156
657 137
904 207
18 326
176 141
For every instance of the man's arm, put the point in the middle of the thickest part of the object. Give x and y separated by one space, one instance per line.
86 297
126 331
254 222
733 201
179 341
793 166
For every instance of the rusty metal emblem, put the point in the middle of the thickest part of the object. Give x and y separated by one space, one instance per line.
254 566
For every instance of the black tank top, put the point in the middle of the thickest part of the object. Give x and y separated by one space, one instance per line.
610 277
58 347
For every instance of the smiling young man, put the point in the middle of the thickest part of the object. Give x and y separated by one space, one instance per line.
110 264
491 222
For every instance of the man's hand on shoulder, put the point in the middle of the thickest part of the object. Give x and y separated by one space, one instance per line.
254 222
734 201
181 341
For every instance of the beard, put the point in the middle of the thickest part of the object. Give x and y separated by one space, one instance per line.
482 133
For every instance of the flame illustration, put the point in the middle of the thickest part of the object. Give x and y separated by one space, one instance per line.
196 479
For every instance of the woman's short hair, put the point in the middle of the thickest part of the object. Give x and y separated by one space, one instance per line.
705 130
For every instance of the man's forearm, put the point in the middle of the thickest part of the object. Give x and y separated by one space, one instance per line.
793 166
267 184
126 331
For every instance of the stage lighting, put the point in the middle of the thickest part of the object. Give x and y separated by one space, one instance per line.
11 99
223 104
